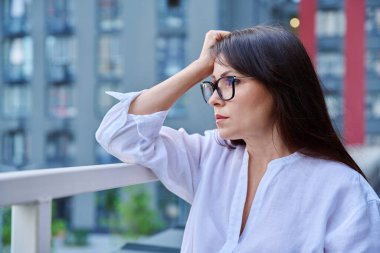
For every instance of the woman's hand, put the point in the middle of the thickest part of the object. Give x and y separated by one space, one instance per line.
212 37
163 95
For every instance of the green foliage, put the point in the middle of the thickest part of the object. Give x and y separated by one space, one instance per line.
107 202
6 233
58 226
77 237
111 199
137 215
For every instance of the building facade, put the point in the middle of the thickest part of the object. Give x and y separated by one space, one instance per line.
60 56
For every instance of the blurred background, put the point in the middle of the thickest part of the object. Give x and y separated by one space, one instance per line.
58 57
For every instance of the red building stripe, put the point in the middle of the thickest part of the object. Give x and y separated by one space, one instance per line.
354 78
307 14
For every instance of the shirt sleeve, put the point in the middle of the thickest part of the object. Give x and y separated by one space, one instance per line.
357 232
173 155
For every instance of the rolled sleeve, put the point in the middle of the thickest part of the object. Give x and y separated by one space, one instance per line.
173 155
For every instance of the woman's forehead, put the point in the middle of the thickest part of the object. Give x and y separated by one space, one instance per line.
223 70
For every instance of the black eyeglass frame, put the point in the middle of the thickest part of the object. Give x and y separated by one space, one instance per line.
216 87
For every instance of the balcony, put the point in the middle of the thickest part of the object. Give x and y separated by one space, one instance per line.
16 75
30 193
16 27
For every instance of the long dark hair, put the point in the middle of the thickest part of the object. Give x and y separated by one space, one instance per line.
277 58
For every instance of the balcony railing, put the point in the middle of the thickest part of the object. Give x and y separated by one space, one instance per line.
30 193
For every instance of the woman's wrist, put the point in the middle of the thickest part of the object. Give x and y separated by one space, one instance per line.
203 66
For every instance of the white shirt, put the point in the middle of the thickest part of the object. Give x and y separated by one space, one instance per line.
302 204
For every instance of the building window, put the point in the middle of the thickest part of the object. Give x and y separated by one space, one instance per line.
373 105
109 12
102 157
60 16
18 60
60 148
331 23
170 45
170 55
104 101
334 105
16 17
373 20
14 148
373 62
61 101
16 101
172 14
173 3
330 64
372 139
61 54
110 65
171 59
109 59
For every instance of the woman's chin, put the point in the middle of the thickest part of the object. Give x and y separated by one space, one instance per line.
225 134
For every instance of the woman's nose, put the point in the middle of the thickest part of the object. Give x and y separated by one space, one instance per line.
215 99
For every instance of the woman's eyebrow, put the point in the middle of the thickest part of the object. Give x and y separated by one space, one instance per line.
225 73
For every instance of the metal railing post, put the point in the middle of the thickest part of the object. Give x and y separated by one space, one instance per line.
31 228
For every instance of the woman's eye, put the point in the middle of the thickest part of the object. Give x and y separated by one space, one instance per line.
230 80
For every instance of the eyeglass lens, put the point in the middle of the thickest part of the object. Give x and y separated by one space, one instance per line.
225 86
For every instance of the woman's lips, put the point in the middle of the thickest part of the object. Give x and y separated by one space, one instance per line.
219 117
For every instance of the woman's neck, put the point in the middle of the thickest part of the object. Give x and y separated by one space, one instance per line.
265 147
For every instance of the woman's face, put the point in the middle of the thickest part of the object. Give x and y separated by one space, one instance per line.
249 113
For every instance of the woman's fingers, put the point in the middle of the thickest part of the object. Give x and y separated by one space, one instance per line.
211 38
219 34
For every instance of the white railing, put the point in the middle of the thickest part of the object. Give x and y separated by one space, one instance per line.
30 193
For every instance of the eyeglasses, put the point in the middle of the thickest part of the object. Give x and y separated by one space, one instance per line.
224 86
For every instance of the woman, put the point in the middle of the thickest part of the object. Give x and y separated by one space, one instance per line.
274 176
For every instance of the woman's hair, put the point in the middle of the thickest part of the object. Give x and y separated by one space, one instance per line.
277 59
